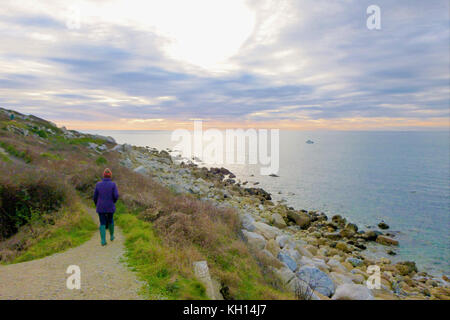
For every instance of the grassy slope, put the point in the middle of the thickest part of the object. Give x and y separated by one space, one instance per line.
74 227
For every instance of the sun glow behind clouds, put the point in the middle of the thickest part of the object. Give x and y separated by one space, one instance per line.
203 33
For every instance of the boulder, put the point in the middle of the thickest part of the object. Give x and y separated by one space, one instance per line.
273 247
267 231
282 240
387 241
278 221
333 235
348 291
406 267
248 222
253 239
302 290
338 220
141 170
287 260
383 225
301 219
201 272
284 274
355 261
317 280
370 235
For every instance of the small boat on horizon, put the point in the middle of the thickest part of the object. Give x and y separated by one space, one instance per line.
309 142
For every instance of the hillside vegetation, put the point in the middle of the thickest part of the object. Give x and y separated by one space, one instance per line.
47 176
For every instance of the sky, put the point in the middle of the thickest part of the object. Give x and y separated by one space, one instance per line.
288 64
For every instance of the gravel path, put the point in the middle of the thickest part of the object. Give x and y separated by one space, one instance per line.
103 275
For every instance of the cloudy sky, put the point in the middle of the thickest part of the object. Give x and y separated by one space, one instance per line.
296 64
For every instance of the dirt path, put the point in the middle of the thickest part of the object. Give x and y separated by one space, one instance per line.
103 275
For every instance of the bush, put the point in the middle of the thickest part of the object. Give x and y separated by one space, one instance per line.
101 161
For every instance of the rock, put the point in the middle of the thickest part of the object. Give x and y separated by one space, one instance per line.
406 267
287 260
253 239
248 222
273 247
141 170
317 280
391 253
340 278
333 235
370 235
387 241
342 246
278 221
383 225
301 219
349 291
273 175
285 274
336 265
338 220
201 272
267 231
355 261
302 290
282 240
352 226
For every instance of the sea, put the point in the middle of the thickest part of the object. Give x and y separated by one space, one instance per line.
402 178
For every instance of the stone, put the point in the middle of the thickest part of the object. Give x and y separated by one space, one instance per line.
348 291
384 240
248 222
383 225
406 267
333 235
273 247
317 280
284 274
339 278
201 272
302 290
282 240
370 235
338 220
301 219
267 231
253 239
355 261
278 221
287 260
141 170
342 246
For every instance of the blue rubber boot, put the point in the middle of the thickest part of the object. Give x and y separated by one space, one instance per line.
103 235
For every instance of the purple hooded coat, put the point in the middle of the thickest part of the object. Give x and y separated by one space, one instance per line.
105 196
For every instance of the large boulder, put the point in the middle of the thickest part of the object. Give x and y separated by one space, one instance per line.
317 280
201 272
278 221
253 239
302 219
267 231
287 260
248 222
348 291
282 240
355 261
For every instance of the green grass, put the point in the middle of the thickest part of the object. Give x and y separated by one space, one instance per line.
74 232
14 152
101 161
51 156
4 158
152 261
85 141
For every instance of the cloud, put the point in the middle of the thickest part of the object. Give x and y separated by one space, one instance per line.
294 61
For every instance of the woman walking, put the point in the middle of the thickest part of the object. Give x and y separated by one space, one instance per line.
105 197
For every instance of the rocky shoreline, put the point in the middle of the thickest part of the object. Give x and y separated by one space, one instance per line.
323 257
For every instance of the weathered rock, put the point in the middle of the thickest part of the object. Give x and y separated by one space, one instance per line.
339 220
406 267
267 231
248 222
285 274
383 225
370 235
287 260
302 290
317 280
201 272
141 170
387 241
301 219
349 291
355 261
333 235
278 221
282 240
253 239
273 247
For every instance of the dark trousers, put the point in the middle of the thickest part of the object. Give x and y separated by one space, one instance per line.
106 219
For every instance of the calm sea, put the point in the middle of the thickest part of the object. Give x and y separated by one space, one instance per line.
402 178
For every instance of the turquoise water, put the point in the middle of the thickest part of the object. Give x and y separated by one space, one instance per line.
400 177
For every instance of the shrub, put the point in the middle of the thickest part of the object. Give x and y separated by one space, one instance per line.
101 161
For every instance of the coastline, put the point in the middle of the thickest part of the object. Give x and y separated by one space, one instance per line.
298 238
